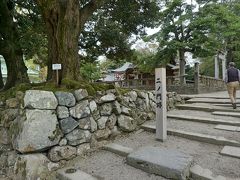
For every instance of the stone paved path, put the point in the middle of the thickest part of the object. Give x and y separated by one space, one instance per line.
208 161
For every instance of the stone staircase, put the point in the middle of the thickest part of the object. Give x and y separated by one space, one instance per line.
203 144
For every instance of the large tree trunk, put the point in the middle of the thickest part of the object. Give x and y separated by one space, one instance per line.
63 29
182 67
1 79
17 71
9 46
64 20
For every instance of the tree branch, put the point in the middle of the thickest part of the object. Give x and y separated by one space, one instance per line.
175 30
88 10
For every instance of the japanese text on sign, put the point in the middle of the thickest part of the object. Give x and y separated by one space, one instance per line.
158 93
56 66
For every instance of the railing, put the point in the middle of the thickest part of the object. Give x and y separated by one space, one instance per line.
146 83
211 82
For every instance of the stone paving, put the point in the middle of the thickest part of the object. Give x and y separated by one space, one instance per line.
214 152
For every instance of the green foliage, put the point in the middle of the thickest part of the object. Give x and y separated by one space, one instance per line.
222 24
213 27
145 61
109 29
90 72
110 64
33 39
207 67
190 72
175 34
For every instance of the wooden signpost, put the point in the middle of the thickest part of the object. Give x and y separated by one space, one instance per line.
161 105
57 67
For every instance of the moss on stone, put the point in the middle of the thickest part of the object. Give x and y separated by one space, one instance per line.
67 85
56 133
121 91
10 93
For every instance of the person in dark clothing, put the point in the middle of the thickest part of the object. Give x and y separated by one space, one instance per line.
232 79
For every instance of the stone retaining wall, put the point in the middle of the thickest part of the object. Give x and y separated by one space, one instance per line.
46 128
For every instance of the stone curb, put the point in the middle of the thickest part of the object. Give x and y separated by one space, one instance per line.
195 136
226 102
199 173
169 163
71 173
233 114
231 151
204 120
118 149
204 108
223 105
189 96
193 107
227 128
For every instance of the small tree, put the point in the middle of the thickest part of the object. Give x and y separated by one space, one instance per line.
90 72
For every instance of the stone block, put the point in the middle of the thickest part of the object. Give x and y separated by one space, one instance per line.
80 94
68 124
199 173
118 149
73 174
65 99
107 98
39 131
164 162
231 151
40 100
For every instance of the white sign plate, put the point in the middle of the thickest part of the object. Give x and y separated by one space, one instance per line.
56 66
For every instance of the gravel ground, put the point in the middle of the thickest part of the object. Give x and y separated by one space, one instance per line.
206 155
109 166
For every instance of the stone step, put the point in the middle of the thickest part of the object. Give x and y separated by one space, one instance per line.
209 100
201 128
191 96
223 105
71 173
168 163
195 136
233 114
231 151
203 119
228 128
203 107
118 149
